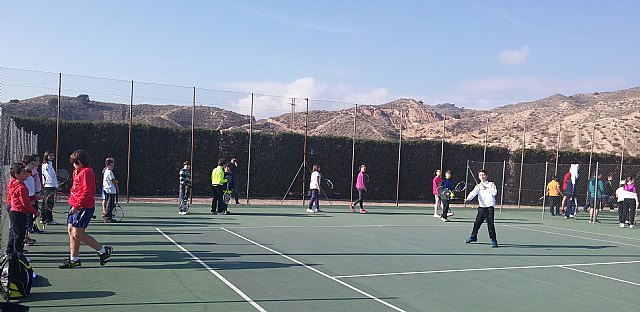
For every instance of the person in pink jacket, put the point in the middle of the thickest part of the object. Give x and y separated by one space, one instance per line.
436 181
362 186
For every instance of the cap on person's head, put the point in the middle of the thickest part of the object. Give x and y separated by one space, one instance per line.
623 182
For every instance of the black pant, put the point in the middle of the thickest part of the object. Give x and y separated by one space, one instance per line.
445 207
624 210
484 213
217 203
17 232
46 213
110 203
554 204
235 190
360 199
183 197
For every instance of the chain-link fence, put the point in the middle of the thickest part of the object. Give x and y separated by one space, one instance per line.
14 143
151 129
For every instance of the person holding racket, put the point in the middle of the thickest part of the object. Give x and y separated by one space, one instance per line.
110 190
486 192
49 183
82 207
445 189
362 183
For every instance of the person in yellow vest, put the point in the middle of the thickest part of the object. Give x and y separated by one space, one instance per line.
555 196
218 181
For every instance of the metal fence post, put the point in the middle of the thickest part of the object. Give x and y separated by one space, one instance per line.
624 145
524 136
399 155
304 152
250 141
558 149
193 141
504 167
544 186
595 197
466 182
129 144
58 120
486 137
353 151
593 135
444 129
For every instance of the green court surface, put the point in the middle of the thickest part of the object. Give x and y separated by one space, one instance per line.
280 258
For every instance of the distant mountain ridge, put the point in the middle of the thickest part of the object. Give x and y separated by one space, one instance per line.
612 112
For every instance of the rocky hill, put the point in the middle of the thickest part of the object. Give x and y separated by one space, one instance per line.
81 108
576 115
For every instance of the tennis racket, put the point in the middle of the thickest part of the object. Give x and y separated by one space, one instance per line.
328 183
460 187
39 224
226 197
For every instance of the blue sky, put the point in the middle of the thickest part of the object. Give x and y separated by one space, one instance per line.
476 54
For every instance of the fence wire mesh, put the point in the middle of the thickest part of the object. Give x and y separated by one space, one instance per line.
277 139
14 143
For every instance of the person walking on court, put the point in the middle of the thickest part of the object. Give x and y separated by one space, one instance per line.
362 183
185 186
217 182
555 196
486 192
314 187
436 182
83 204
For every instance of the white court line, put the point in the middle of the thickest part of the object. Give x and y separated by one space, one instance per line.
603 276
316 270
574 236
217 228
214 272
587 232
490 269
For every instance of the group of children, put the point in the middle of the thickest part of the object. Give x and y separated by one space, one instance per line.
22 204
223 183
563 200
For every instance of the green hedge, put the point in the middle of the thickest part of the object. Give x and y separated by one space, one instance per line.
158 153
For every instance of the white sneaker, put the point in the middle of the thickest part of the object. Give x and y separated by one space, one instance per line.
435 215
621 225
631 226
449 214
310 210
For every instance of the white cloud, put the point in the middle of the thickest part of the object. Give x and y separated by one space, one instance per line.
515 57
322 96
502 90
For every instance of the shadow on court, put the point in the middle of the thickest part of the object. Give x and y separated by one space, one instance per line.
66 295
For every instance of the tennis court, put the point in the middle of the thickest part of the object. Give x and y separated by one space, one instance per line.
279 258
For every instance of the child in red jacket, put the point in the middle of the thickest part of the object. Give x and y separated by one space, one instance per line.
21 208
83 203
